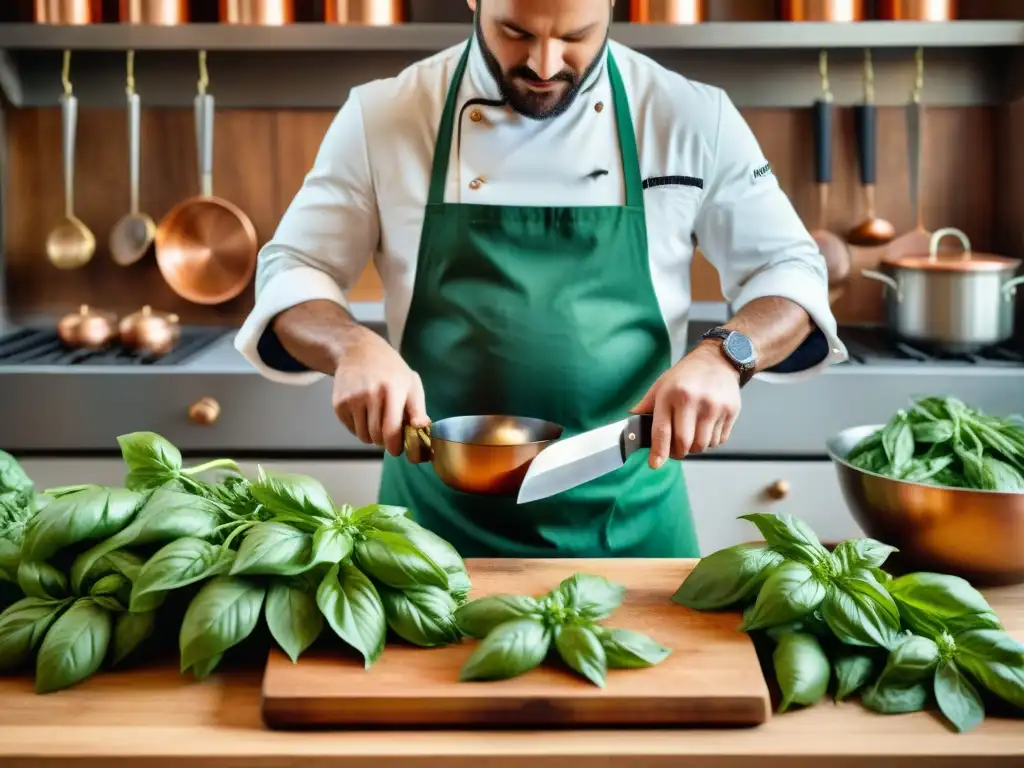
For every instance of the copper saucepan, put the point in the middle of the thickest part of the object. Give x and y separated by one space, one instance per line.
88 328
68 11
917 10
481 454
164 13
206 246
370 12
265 13
823 10
667 11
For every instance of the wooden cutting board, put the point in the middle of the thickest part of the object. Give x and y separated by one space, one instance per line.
713 676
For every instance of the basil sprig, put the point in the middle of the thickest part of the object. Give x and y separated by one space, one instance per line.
839 621
518 632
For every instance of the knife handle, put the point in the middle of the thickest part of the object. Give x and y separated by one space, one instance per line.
637 434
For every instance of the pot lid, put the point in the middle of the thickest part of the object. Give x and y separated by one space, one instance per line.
965 261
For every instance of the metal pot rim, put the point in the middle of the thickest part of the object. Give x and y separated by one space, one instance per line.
967 261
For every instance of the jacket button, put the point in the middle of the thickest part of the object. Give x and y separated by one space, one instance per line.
599 107
475 184
476 115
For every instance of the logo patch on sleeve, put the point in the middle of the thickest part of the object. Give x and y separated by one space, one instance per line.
761 172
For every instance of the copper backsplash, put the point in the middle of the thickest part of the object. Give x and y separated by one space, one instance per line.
263 156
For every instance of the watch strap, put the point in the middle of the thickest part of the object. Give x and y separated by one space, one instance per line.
745 371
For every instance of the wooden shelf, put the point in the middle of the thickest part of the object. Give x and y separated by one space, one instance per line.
433 37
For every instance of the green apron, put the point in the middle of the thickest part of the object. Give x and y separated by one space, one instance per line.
547 313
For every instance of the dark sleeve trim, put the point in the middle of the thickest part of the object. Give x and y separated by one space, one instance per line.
812 352
274 355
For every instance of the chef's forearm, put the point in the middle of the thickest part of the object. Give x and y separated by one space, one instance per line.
317 333
776 326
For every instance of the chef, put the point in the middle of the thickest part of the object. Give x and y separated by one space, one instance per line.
531 199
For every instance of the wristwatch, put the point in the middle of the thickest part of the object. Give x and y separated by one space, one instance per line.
738 350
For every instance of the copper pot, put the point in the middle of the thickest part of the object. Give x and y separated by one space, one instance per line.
166 13
68 11
917 10
149 331
823 10
267 13
87 328
481 454
667 11
371 12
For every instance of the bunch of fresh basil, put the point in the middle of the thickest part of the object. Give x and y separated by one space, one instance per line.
941 441
838 618
96 565
518 632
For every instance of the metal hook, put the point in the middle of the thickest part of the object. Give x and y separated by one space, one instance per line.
869 78
204 75
826 87
65 73
130 65
919 78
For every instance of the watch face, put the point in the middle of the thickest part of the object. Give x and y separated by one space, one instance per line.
740 349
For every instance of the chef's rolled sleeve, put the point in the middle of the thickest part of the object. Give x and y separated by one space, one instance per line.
321 247
750 232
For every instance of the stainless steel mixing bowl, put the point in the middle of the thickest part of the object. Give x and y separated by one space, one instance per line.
978 535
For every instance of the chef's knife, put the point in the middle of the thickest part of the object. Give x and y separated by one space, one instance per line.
579 459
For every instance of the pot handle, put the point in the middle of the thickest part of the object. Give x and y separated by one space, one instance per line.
872 274
939 234
1010 287
417 445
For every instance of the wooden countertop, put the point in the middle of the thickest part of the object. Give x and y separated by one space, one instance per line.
154 717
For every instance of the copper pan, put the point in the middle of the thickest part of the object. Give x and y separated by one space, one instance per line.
917 10
370 12
267 13
68 11
667 11
206 246
165 13
823 10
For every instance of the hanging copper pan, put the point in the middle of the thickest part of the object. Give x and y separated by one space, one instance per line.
667 11
164 13
68 11
206 246
265 13
917 10
370 12
823 10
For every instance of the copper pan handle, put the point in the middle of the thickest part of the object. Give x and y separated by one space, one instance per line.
418 449
204 109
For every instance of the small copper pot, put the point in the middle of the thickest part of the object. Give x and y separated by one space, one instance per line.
164 13
370 12
481 454
68 11
149 331
667 11
267 13
823 10
87 328
917 10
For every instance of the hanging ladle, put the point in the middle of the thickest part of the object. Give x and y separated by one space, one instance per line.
873 230
133 234
70 244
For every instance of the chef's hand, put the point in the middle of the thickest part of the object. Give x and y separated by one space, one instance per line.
374 390
695 404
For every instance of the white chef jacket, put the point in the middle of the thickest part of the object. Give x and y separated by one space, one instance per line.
704 173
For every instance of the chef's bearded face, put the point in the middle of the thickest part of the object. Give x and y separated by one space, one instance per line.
541 51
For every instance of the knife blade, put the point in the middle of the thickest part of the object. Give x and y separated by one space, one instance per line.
575 460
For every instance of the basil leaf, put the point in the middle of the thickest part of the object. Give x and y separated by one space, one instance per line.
353 608
331 545
13 477
422 616
727 577
853 670
591 597
94 513
859 611
299 495
274 549
582 651
22 628
292 616
900 447
509 650
930 602
113 592
855 554
444 555
151 459
940 431
790 536
222 614
791 592
895 699
130 631
74 647
394 560
958 698
203 669
10 558
42 580
459 586
372 515
167 516
173 566
994 659
802 670
479 617
625 649
811 624
912 660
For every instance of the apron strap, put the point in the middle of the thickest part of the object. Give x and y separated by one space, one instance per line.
623 120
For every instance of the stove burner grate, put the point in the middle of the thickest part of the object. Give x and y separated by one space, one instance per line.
38 347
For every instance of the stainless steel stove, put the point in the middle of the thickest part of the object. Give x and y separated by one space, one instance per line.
43 347
869 345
